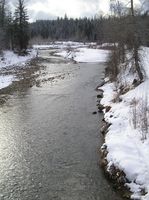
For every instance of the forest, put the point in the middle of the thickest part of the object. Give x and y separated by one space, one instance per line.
99 29
118 26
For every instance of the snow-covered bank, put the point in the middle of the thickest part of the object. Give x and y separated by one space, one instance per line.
9 59
86 55
77 51
127 140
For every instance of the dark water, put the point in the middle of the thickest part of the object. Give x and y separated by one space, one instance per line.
49 139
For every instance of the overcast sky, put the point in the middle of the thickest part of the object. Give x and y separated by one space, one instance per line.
73 8
47 9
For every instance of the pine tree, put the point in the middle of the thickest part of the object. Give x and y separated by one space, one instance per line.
21 35
2 12
3 29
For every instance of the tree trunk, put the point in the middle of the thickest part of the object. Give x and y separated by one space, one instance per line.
136 45
132 8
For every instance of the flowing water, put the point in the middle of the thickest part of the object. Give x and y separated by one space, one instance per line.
49 138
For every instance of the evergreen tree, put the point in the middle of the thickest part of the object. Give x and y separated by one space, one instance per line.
2 12
2 29
21 32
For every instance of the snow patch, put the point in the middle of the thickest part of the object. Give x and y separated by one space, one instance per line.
5 81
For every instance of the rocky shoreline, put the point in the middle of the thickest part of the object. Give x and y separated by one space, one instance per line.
115 175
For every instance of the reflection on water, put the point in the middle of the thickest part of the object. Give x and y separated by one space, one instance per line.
49 139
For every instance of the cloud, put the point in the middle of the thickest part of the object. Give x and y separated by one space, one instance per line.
73 8
47 9
50 9
41 15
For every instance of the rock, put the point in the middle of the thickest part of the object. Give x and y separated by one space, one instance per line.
116 175
121 179
101 84
100 90
103 163
107 108
135 82
100 108
98 101
104 128
94 113
100 95
103 120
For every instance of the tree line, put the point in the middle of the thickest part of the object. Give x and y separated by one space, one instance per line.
100 29
125 26
66 29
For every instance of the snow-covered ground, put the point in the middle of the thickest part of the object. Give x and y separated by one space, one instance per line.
5 81
127 139
9 59
86 55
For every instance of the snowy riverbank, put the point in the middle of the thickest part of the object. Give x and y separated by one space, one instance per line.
9 59
77 51
127 140
88 55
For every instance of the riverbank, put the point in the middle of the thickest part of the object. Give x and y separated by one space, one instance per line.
12 65
126 148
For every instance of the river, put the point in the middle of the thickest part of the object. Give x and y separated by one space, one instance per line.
49 138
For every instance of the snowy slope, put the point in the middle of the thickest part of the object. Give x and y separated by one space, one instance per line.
127 140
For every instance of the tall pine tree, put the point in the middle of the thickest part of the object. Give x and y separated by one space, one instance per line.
21 35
